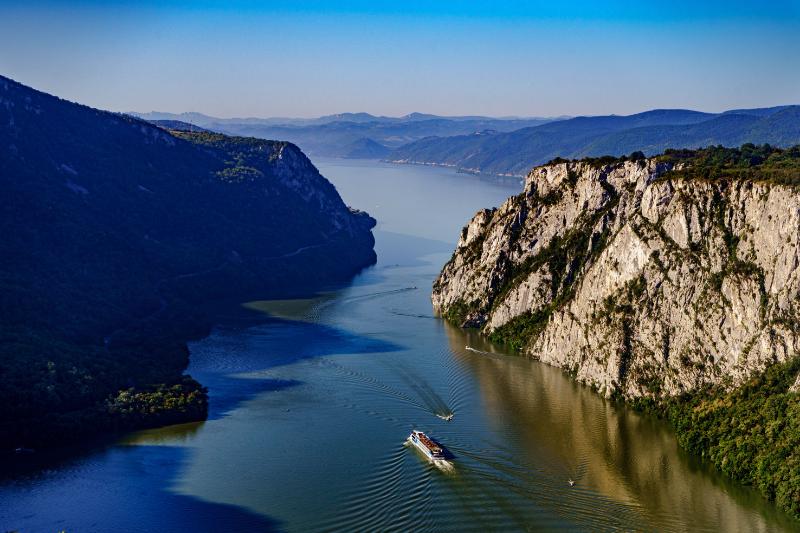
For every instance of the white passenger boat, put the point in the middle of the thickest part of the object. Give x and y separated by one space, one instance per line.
429 448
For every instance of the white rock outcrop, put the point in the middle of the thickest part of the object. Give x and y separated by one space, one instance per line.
638 282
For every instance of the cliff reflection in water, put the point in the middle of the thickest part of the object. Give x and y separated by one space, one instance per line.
627 457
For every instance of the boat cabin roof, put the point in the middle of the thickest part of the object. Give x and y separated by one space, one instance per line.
432 446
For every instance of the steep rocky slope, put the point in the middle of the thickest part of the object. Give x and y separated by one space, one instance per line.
643 278
671 282
113 232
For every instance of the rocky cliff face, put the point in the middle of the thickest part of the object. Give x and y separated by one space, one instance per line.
633 277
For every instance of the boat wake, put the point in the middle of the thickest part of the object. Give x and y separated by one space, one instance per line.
316 312
370 382
445 466
430 398
412 315
371 295
475 350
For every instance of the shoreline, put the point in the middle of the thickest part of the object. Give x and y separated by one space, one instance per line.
502 178
172 396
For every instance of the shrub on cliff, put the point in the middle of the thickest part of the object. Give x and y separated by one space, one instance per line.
759 163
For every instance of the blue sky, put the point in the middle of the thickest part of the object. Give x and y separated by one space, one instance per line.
308 58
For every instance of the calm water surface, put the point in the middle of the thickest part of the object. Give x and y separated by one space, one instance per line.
311 405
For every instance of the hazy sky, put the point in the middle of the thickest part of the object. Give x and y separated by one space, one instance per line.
308 58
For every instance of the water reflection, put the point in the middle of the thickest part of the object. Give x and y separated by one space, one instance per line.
311 400
629 458
120 489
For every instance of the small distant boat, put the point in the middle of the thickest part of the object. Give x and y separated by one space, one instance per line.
571 483
24 451
446 418
429 448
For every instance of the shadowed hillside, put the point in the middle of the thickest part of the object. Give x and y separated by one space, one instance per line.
114 231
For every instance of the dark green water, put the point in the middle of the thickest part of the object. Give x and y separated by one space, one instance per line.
311 407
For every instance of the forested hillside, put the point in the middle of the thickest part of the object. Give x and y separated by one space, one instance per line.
113 231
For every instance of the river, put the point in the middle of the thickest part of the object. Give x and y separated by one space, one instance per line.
312 399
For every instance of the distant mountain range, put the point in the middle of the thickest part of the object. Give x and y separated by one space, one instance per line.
515 152
199 119
351 135
508 145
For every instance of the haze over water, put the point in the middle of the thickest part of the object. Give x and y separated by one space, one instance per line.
311 401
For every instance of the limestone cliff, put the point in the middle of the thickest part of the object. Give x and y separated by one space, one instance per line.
644 278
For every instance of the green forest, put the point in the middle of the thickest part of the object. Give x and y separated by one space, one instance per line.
116 234
751 433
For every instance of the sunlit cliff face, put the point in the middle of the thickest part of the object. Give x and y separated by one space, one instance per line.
638 282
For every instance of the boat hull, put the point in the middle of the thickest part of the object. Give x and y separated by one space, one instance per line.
417 441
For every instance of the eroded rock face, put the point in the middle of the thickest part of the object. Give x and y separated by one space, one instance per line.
639 283
796 386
